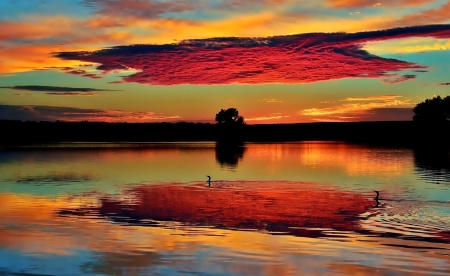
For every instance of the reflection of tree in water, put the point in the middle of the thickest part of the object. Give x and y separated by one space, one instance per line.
432 165
229 154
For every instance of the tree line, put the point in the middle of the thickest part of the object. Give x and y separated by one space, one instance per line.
436 109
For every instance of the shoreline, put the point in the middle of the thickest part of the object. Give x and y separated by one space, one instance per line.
390 133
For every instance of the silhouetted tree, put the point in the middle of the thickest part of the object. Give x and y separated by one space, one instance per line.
436 109
229 117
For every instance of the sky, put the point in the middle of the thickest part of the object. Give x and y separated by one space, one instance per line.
276 61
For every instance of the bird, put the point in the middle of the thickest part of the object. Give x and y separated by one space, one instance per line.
378 193
209 180
376 199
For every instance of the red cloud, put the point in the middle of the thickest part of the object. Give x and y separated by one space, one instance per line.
375 3
301 58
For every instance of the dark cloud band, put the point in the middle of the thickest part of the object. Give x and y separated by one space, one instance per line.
54 89
53 113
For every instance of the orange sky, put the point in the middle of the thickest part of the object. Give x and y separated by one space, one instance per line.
267 76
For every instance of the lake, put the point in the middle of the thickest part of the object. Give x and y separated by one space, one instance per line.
303 208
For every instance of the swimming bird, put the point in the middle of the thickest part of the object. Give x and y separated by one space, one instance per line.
378 193
209 180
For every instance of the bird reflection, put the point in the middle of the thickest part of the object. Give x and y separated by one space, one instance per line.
378 204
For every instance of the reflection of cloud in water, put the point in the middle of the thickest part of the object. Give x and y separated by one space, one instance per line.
55 177
432 165
112 249
287 207
293 208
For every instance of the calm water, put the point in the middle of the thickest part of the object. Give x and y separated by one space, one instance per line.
272 209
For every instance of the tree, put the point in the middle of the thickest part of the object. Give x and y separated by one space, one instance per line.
229 117
436 109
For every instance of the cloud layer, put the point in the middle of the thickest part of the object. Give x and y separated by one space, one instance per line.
372 108
53 113
57 90
303 58
375 3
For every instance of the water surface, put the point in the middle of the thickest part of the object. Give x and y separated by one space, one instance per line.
272 209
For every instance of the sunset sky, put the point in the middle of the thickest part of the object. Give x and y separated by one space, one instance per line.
276 61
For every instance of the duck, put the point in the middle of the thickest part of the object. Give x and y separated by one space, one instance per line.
209 180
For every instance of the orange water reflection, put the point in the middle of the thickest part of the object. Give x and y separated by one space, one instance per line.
322 162
354 159
30 224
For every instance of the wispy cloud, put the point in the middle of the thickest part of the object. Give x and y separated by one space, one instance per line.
72 94
351 108
375 114
372 98
83 73
371 3
444 84
53 113
317 57
435 15
271 101
274 116
332 119
58 90
399 79
142 9
363 108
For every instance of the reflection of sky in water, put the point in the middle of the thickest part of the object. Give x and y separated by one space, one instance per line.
45 264
348 166
114 250
35 184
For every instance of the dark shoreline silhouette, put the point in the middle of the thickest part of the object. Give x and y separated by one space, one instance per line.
395 133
